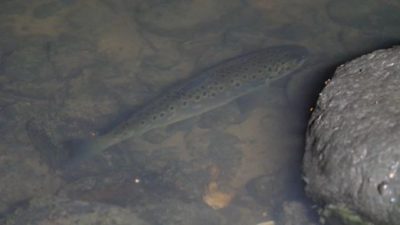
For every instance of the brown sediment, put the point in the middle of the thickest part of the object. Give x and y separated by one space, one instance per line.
253 162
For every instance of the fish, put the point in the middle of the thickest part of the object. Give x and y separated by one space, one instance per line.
209 89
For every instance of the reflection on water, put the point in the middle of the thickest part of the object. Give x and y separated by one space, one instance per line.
77 68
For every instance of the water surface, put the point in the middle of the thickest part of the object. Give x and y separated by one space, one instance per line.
78 68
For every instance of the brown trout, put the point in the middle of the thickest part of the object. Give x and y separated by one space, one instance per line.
216 86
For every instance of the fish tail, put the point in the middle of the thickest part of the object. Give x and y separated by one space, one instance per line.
58 156
79 150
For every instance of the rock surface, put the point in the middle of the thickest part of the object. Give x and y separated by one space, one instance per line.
352 154
51 210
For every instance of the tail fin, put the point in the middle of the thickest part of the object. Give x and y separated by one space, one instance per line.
67 156
78 151
50 153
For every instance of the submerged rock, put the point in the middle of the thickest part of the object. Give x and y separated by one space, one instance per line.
63 211
268 190
352 154
365 14
173 212
21 176
181 16
295 213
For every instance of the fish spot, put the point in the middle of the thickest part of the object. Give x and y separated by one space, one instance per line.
161 114
154 117
197 97
237 84
171 108
213 94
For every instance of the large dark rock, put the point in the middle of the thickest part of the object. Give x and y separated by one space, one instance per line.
352 154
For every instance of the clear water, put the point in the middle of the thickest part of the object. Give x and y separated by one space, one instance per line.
79 67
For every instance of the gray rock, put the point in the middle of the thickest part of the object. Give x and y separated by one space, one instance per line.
365 14
352 154
12 8
295 213
47 10
173 212
28 64
269 190
182 16
63 211
21 176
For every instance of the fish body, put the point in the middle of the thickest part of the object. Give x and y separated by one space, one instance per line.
210 89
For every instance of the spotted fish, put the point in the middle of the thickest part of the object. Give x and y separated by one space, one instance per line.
201 93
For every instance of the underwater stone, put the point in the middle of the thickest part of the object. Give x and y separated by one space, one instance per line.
176 212
352 153
365 14
180 16
12 8
53 210
295 213
47 9
28 64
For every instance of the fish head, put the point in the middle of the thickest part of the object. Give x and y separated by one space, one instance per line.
280 61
